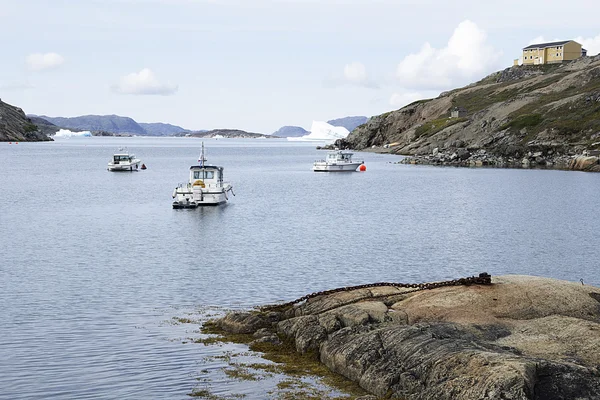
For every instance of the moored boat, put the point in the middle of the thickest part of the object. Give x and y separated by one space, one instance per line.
337 161
122 160
205 187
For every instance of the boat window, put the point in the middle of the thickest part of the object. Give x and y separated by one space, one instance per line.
204 174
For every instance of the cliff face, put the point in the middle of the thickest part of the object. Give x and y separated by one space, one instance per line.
16 127
549 109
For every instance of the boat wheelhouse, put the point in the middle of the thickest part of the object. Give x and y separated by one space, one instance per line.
337 161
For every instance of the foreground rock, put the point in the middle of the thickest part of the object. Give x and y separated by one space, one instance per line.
520 338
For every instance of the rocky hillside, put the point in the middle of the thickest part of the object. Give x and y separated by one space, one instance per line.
531 112
161 129
16 126
105 123
349 123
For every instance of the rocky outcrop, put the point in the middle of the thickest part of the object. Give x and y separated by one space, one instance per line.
15 126
552 109
462 157
585 163
521 337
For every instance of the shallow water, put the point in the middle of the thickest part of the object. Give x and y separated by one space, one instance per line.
95 265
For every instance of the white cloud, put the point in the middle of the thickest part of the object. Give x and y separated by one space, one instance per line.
144 82
39 61
592 45
540 39
399 100
16 86
355 72
466 57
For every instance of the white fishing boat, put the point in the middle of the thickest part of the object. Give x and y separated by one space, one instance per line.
205 186
122 160
337 161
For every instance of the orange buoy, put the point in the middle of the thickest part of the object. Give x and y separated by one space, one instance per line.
9 142
362 168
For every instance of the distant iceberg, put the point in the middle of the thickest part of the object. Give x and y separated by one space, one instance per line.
322 131
65 133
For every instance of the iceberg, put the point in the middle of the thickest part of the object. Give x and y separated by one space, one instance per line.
322 131
65 133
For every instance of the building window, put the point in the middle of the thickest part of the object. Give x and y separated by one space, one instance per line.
556 54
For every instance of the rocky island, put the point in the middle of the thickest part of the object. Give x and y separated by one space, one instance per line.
501 337
528 115
228 133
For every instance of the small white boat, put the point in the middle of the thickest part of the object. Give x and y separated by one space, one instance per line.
337 161
123 161
205 187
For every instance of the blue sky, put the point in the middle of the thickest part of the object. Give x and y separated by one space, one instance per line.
258 65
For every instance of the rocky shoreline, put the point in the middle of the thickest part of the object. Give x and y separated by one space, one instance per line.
480 158
520 337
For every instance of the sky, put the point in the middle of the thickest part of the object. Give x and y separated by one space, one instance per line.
258 65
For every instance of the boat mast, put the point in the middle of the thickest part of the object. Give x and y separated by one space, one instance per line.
202 159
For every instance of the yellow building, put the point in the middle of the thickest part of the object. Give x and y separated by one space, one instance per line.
553 52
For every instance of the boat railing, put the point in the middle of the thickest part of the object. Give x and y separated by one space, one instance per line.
188 185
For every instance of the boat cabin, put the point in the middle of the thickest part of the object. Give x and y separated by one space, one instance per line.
339 156
119 158
208 174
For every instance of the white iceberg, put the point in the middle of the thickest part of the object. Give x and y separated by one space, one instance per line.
65 133
322 131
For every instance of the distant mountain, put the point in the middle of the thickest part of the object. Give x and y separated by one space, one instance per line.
15 126
46 127
226 133
290 131
160 129
349 123
106 123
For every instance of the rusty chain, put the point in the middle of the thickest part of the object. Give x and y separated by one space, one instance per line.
483 279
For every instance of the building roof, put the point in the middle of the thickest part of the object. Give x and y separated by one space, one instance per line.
544 45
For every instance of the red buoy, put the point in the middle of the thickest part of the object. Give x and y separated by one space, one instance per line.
362 168
143 166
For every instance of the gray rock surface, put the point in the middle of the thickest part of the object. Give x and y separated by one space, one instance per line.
520 338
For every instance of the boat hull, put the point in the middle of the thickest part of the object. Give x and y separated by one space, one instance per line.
194 196
338 167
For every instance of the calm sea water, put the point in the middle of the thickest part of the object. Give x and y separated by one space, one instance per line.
95 265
